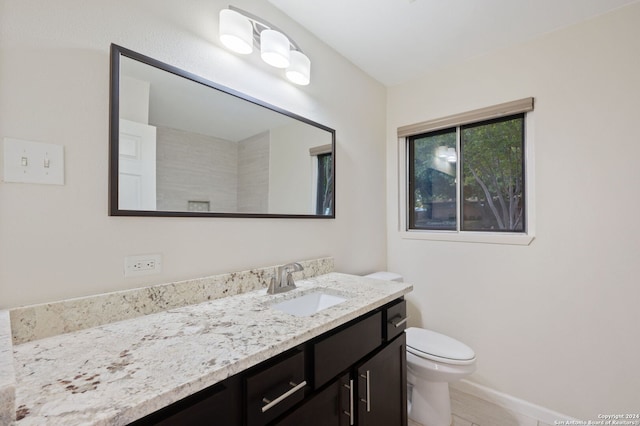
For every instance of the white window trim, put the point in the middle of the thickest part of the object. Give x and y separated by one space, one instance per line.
522 239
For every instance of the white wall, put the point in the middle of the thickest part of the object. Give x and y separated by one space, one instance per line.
555 323
58 241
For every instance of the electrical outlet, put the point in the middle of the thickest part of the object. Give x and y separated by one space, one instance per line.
145 264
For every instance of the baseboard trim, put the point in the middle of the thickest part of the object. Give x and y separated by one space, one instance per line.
511 403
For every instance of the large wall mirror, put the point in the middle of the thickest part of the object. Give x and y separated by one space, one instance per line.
185 146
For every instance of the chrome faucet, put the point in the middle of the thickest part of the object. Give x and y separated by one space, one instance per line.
282 280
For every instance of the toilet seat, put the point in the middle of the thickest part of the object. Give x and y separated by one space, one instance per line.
438 347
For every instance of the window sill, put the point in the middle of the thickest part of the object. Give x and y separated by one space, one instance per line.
470 237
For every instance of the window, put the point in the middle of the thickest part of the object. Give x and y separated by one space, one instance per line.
492 183
432 181
468 177
324 190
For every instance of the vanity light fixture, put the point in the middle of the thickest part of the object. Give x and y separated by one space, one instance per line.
300 68
446 153
452 157
274 48
240 31
236 32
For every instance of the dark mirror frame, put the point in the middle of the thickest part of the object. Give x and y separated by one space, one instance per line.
114 125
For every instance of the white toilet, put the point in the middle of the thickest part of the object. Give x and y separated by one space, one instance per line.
433 360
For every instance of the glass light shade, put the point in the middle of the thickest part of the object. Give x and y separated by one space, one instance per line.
274 48
299 71
236 32
441 151
452 157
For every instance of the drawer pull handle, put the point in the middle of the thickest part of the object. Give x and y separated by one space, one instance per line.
295 388
350 412
399 323
368 400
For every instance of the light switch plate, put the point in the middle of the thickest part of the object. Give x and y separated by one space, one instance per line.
33 162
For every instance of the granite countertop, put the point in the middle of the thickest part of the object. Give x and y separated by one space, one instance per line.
116 373
7 375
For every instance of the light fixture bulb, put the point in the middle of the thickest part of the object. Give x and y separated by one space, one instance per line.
236 32
299 71
452 157
274 48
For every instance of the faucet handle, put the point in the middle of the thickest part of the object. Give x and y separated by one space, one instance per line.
290 269
282 279
295 267
290 282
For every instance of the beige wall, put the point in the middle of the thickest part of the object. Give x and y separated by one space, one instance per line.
58 241
554 323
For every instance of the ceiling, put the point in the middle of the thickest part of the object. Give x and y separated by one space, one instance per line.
395 41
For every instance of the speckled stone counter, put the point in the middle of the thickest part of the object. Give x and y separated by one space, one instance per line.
7 375
115 373
49 319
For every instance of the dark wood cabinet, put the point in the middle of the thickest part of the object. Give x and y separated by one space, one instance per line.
394 318
275 388
340 350
371 393
382 386
373 388
352 375
328 407
216 405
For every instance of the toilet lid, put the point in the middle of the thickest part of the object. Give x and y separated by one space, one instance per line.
438 347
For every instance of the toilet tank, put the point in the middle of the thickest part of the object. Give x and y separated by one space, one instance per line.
387 276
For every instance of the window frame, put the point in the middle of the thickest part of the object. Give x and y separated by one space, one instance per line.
458 235
411 177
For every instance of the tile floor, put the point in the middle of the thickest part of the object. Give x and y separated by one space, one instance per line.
469 410
457 421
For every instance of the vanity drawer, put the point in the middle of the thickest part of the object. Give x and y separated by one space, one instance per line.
395 319
273 390
217 403
329 407
339 351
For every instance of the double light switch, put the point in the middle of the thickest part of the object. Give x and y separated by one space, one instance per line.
33 162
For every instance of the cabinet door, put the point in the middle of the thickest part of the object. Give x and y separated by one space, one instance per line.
329 407
382 387
335 353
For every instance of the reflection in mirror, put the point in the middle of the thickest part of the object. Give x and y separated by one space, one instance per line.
184 146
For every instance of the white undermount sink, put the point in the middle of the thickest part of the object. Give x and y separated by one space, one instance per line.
308 304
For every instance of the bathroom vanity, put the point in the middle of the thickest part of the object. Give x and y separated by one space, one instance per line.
235 360
354 374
